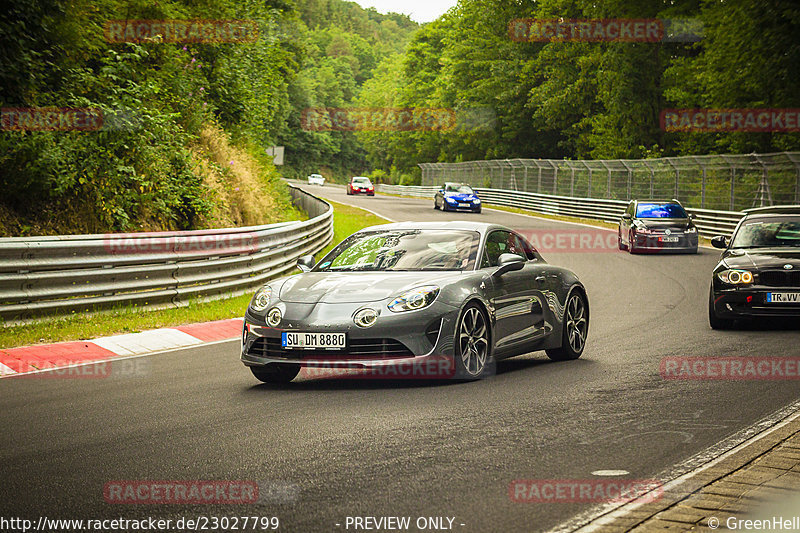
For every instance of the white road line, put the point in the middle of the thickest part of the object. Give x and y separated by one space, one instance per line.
595 519
147 341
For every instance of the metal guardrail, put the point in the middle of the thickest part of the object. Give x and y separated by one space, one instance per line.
709 222
66 274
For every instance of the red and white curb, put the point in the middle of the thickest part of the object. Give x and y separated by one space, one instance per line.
15 361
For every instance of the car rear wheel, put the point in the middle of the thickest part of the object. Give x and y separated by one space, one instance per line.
574 330
275 373
473 358
713 320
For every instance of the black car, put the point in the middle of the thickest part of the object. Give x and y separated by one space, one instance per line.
758 274
456 197
657 226
404 297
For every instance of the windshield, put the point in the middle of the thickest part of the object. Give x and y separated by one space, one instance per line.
768 233
403 250
460 189
361 181
660 211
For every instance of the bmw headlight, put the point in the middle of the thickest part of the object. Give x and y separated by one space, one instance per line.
414 299
736 277
261 299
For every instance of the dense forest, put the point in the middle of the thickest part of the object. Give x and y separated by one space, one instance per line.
183 144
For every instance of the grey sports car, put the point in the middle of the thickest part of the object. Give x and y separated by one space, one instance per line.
417 300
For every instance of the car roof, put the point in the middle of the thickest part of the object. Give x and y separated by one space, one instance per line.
774 210
464 225
673 201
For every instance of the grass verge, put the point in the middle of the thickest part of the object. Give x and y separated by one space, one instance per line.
346 220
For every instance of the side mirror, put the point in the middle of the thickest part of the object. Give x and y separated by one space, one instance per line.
306 263
692 216
441 191
720 241
508 263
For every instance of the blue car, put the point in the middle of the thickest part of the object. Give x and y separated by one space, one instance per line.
457 197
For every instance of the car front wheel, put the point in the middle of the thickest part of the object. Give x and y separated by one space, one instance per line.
473 358
713 320
275 373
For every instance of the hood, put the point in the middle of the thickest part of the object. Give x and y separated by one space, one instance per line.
357 287
763 258
665 223
460 196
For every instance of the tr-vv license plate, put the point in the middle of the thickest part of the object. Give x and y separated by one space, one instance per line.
669 239
783 298
299 339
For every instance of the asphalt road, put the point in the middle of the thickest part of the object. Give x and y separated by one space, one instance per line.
401 448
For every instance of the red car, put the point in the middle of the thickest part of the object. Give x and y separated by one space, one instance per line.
360 185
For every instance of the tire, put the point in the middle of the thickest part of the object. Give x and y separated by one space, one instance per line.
619 241
435 205
713 320
472 345
444 205
478 211
631 243
275 373
575 329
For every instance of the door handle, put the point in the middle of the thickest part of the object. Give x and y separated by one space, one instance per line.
540 279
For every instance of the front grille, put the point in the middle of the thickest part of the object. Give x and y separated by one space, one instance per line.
356 349
779 278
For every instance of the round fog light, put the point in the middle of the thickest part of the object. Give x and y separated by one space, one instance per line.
274 317
365 317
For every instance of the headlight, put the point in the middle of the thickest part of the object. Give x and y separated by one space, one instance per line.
736 277
450 199
414 299
365 318
691 230
261 299
274 317
641 229
477 200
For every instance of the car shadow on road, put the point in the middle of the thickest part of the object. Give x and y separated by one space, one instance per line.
770 324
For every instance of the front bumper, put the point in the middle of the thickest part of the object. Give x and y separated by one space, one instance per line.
408 338
751 302
654 243
473 207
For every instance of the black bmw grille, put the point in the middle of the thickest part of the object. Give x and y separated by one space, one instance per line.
780 278
356 349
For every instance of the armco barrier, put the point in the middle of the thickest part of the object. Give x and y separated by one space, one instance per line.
709 222
64 274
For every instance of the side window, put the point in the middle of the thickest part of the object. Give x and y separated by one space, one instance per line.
497 243
523 247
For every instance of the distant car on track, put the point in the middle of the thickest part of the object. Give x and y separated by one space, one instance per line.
316 179
404 293
758 274
360 185
456 197
657 226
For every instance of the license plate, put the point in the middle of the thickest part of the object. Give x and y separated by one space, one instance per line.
669 239
299 339
783 297
464 205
